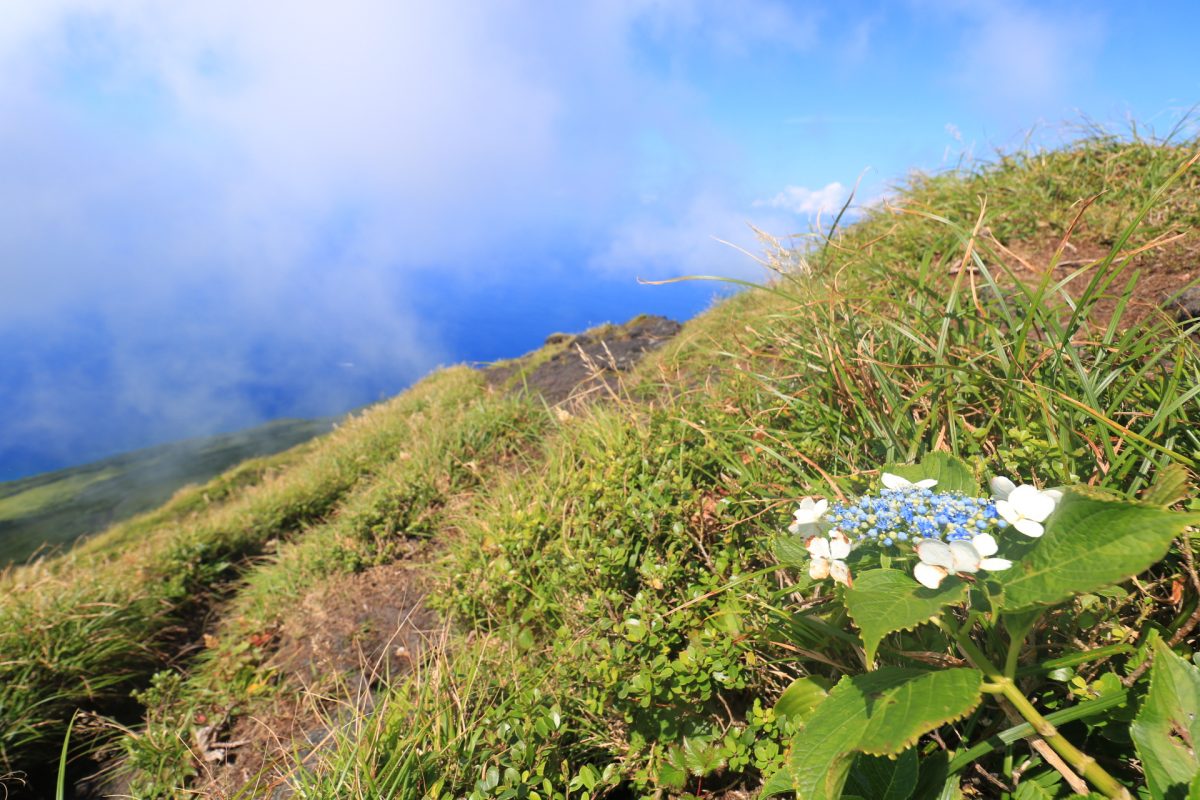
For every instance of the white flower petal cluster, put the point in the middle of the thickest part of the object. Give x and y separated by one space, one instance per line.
827 554
1024 507
941 559
891 481
808 515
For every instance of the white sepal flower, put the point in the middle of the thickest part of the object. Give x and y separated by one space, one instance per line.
939 559
808 515
891 481
1001 487
827 554
1026 508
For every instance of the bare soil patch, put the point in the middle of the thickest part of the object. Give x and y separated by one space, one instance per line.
344 640
1160 273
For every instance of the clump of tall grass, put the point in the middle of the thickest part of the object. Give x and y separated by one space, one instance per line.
880 357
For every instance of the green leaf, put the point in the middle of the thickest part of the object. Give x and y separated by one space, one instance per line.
1031 790
952 473
883 601
879 713
1089 543
701 757
791 552
1167 728
800 698
778 783
1172 485
885 778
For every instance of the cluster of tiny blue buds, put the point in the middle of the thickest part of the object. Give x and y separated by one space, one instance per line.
900 515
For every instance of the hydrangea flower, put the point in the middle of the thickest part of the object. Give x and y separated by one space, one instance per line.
891 481
940 559
827 554
901 515
1024 507
808 515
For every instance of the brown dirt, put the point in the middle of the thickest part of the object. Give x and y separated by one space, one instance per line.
1162 272
343 641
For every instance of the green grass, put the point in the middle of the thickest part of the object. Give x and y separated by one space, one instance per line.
39 498
83 630
54 509
615 623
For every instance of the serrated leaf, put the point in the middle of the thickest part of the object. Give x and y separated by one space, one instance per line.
885 778
1171 486
1089 543
779 783
901 714
952 473
800 698
883 601
1167 728
879 713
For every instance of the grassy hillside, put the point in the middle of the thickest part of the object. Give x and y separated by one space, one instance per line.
472 591
55 508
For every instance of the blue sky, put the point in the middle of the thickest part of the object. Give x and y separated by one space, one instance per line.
217 213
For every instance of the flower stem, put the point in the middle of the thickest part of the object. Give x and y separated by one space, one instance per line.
1003 685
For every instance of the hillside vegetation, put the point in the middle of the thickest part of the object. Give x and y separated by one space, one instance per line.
55 508
469 591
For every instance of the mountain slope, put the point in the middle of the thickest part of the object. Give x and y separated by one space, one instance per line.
53 509
469 591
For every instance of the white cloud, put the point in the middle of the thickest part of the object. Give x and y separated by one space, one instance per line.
803 201
1022 56
234 193
707 234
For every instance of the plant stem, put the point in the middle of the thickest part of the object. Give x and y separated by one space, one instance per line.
1006 687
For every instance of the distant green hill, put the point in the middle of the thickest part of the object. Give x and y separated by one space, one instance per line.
55 508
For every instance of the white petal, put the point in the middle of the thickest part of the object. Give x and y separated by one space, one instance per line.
985 544
1054 494
927 483
891 481
966 557
935 553
1029 527
1031 503
929 575
839 544
817 546
1006 510
995 564
818 570
809 512
1001 487
841 573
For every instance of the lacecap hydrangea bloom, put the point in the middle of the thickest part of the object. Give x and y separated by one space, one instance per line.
951 533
